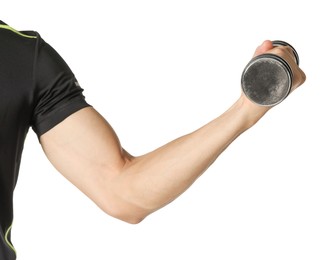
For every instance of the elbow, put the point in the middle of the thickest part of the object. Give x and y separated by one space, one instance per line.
125 212
132 220
119 200
129 218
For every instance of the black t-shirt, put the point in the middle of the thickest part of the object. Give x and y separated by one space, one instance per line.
37 89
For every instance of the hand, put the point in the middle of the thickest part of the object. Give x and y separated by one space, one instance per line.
254 111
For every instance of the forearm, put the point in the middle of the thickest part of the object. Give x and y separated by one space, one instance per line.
155 179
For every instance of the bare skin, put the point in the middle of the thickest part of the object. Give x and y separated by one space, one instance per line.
87 151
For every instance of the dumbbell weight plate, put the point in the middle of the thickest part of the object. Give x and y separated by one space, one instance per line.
267 79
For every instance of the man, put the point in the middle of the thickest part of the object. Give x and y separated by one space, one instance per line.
38 89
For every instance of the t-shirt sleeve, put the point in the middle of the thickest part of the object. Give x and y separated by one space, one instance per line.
57 93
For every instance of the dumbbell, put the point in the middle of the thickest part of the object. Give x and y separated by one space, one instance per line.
267 78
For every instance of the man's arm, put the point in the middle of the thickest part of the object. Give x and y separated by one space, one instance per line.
86 150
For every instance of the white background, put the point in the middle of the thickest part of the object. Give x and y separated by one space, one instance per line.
160 69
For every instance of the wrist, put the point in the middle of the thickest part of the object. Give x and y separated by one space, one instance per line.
250 112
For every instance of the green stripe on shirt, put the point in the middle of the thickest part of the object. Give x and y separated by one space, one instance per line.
7 27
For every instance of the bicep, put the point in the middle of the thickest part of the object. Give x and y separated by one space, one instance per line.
83 148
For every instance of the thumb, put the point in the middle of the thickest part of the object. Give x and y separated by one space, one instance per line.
264 47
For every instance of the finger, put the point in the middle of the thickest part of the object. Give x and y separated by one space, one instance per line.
291 53
299 78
